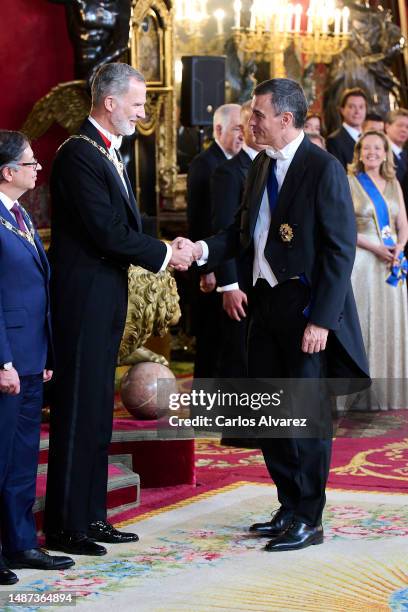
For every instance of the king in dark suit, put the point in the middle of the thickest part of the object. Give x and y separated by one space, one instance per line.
25 347
96 233
353 110
296 231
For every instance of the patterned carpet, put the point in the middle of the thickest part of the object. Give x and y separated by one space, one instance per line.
197 556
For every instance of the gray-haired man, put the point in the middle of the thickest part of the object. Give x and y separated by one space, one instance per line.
96 234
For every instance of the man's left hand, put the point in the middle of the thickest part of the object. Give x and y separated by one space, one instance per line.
314 339
47 375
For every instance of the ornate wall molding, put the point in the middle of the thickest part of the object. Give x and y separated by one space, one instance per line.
152 52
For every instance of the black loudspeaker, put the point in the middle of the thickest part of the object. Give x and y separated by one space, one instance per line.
202 89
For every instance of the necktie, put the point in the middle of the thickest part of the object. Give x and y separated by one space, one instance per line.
272 187
19 217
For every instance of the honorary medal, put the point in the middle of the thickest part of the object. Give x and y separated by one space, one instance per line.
286 232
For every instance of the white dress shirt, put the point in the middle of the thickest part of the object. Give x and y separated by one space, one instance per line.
9 203
395 149
353 132
116 141
284 157
261 268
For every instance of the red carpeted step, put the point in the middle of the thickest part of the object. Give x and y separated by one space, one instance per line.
160 462
123 490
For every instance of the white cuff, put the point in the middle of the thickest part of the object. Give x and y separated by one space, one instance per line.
167 258
204 257
230 287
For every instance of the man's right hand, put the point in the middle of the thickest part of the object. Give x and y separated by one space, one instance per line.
233 304
182 256
9 382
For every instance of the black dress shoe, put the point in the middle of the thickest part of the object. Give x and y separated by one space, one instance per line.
299 535
281 521
6 575
75 543
38 559
102 531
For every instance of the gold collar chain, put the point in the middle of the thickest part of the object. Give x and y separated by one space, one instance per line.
29 236
118 164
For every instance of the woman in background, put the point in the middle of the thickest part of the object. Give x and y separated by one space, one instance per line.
380 268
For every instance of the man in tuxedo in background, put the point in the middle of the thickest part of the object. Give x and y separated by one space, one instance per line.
96 233
227 187
353 110
296 236
25 344
206 307
396 128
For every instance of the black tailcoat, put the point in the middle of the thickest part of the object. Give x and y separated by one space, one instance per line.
95 234
206 307
315 201
227 186
341 145
315 206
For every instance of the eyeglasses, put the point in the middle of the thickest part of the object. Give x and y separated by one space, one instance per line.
34 164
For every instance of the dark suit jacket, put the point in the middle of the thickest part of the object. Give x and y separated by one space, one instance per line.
95 230
315 201
402 176
341 145
227 187
25 329
199 192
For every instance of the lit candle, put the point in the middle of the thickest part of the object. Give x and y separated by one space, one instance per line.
309 21
289 16
219 15
203 5
337 21
346 15
268 19
325 21
252 22
237 13
298 15
281 18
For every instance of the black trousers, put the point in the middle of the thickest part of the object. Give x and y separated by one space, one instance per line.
299 467
82 408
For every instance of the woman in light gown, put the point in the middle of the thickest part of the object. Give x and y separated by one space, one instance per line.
379 270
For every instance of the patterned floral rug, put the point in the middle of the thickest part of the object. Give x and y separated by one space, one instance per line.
197 556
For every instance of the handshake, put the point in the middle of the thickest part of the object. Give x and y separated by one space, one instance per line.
184 253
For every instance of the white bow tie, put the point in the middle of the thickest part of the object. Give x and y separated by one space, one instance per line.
275 154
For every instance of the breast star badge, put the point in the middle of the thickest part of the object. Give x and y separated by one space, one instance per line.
286 232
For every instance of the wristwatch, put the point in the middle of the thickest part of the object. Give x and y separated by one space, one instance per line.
6 366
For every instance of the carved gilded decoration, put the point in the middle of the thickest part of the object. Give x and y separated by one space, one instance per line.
66 104
152 30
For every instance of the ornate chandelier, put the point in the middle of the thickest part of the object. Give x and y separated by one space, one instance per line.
317 32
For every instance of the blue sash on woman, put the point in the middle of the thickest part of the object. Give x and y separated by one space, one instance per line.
382 220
